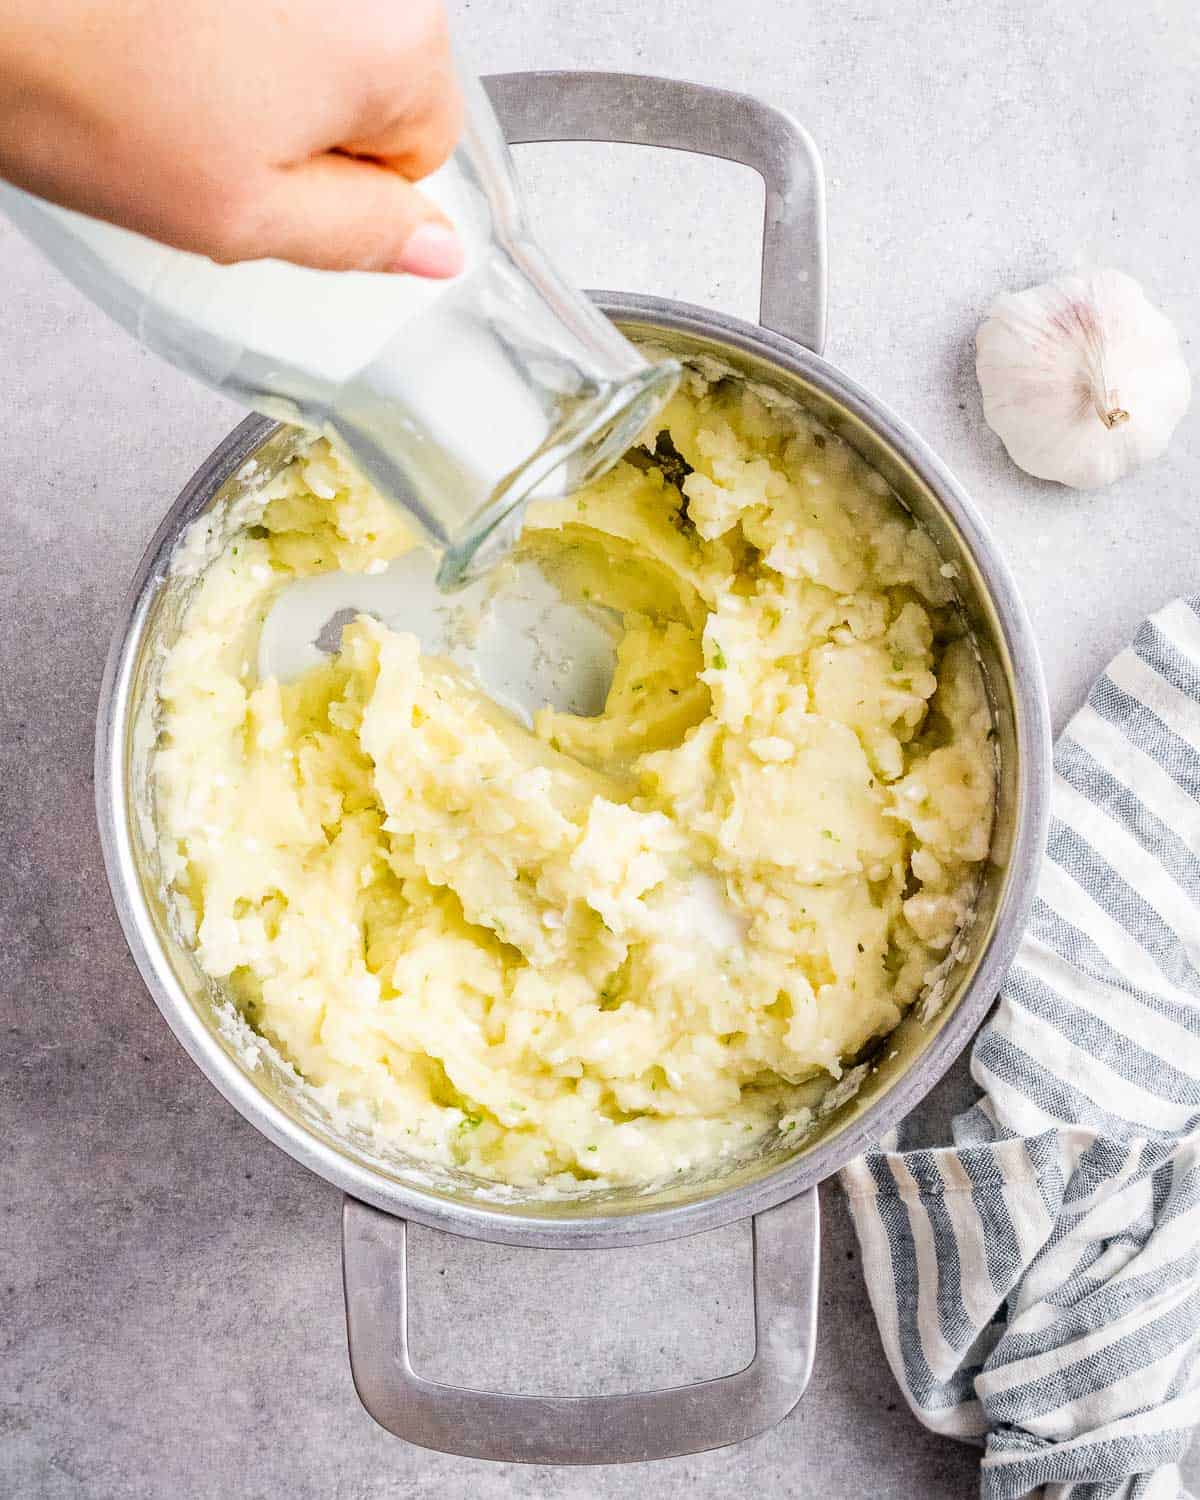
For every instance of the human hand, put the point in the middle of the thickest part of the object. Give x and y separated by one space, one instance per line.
238 128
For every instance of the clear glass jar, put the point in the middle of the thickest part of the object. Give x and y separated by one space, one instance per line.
461 399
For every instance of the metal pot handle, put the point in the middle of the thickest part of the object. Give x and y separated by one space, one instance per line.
642 111
581 1429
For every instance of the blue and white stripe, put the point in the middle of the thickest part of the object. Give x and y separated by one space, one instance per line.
1037 1285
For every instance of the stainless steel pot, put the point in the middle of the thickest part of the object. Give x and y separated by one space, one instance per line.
776 1187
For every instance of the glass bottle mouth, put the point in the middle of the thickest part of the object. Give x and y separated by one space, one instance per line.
587 446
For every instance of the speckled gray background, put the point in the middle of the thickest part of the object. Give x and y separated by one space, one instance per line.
170 1309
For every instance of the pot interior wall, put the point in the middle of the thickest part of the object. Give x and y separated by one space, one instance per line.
839 1131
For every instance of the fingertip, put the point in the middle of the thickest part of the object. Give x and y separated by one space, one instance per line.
432 250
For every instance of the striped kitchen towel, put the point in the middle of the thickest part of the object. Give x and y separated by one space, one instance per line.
1037 1285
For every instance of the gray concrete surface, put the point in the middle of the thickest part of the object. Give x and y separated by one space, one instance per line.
169 1289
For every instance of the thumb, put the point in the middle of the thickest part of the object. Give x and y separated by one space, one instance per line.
340 213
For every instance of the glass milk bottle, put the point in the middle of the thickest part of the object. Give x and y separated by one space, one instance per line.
462 399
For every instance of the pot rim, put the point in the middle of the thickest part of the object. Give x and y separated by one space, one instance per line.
497 1222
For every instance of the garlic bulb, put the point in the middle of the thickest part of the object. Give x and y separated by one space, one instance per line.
1082 379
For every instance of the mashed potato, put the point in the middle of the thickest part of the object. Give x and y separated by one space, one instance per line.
608 947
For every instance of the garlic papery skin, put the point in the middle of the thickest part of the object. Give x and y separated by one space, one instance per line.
1082 378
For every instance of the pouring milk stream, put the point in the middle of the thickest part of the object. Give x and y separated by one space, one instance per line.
460 399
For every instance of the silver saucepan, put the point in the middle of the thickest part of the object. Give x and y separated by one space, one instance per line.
775 1187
